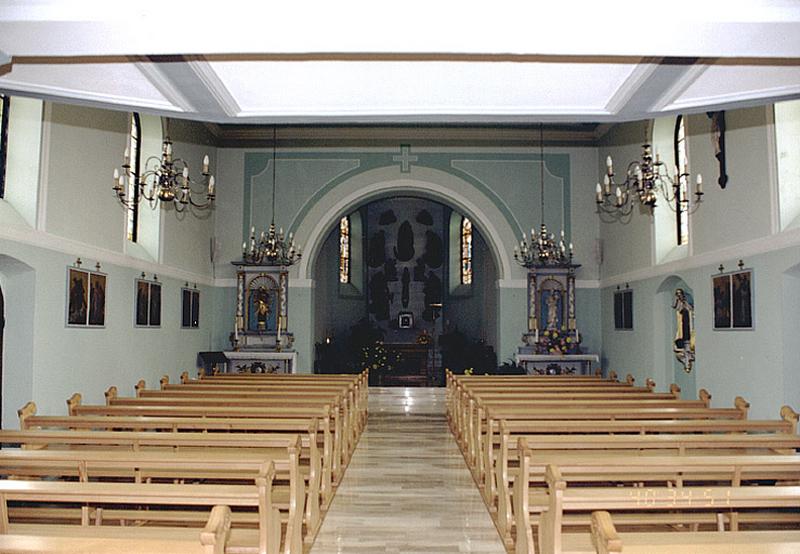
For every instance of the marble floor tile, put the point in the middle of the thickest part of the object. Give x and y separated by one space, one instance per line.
407 489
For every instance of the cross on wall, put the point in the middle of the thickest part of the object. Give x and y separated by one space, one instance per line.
405 158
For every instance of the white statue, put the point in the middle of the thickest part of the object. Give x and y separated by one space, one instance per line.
552 309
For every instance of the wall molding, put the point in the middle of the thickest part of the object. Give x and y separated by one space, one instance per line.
763 245
71 247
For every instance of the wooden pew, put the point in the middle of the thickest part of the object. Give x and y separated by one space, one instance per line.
664 501
213 539
606 540
146 495
304 426
340 455
283 451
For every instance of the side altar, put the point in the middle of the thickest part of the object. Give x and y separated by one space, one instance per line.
552 341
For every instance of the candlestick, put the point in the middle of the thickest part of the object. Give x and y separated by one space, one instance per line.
279 331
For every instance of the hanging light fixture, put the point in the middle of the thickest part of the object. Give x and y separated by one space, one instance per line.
164 179
272 247
542 249
646 180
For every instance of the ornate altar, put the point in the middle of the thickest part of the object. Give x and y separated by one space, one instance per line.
552 324
550 364
261 339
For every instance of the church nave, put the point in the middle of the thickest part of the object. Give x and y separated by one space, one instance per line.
407 489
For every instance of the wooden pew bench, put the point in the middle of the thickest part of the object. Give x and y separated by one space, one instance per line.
213 539
607 540
543 446
298 498
303 426
661 505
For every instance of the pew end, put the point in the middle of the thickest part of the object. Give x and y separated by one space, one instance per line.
29 409
675 390
742 405
111 394
787 414
214 536
139 387
73 402
164 381
604 535
185 376
630 379
598 372
650 384
613 375
705 396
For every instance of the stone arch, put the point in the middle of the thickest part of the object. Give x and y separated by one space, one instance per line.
437 185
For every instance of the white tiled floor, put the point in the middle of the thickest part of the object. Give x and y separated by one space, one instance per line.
407 489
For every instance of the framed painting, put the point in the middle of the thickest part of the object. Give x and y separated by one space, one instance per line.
77 297
154 315
142 307
97 299
733 300
190 308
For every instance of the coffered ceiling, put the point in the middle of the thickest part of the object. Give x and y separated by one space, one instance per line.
298 62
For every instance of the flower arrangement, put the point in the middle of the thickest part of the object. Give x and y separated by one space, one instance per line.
376 357
557 341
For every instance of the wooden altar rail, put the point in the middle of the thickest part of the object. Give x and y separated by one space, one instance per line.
607 540
664 503
499 495
30 421
266 539
341 452
301 503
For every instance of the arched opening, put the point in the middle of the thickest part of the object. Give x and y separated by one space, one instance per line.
790 328
18 284
665 328
405 283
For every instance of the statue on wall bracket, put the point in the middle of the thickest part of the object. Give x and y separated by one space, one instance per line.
684 343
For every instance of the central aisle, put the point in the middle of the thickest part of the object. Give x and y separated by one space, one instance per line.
407 489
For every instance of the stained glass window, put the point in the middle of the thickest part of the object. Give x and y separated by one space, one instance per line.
133 190
4 104
466 251
682 196
344 250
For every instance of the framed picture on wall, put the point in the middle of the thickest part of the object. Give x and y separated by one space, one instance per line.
733 300
190 308
86 298
147 303
623 309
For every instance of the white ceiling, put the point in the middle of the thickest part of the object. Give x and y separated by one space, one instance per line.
416 61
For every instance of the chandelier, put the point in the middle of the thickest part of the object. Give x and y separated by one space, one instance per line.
272 247
165 179
542 249
646 180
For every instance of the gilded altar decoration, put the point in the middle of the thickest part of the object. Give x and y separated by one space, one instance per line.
684 344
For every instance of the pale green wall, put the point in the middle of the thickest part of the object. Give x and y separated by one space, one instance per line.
761 365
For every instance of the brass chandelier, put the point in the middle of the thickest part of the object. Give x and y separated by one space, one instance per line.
165 179
542 249
646 180
273 247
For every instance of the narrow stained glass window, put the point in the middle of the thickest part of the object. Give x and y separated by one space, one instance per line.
344 250
133 190
4 104
466 251
682 193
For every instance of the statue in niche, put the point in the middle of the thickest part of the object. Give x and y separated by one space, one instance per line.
404 251
261 308
553 303
376 252
434 250
683 346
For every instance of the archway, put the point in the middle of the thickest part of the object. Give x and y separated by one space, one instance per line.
489 219
375 283
664 329
18 284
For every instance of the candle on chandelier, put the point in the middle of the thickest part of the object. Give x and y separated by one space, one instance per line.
211 186
699 186
185 174
607 184
609 165
205 164
126 157
599 193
